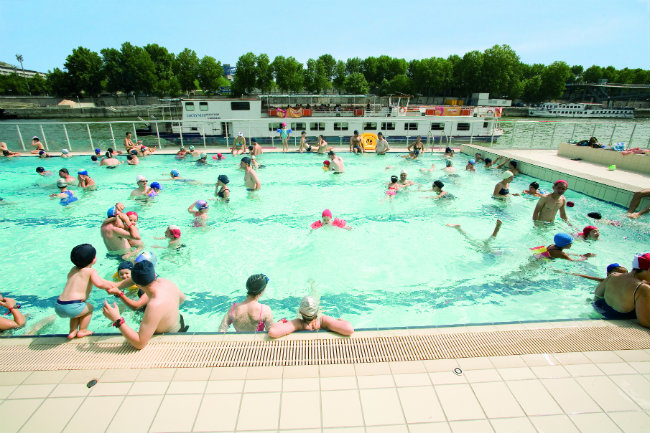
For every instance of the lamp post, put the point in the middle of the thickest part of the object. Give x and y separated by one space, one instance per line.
19 57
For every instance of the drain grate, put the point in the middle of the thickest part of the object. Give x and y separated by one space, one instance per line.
170 352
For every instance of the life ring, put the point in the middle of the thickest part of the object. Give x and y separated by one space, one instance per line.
116 278
369 140
281 113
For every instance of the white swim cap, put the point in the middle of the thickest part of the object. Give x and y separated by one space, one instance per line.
507 174
240 134
309 307
403 172
140 178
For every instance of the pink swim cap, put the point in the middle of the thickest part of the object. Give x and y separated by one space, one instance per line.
560 181
327 213
587 230
326 162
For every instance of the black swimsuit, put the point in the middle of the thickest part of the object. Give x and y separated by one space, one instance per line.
220 194
609 313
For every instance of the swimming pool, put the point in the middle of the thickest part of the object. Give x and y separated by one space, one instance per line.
399 266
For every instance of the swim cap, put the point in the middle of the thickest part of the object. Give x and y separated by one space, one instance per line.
611 267
64 151
204 155
98 150
393 178
219 155
140 178
253 140
587 230
201 204
147 256
93 158
134 152
61 183
471 161
175 231
129 213
560 181
111 212
507 174
174 173
82 172
246 160
41 152
594 215
570 204
83 255
448 163
223 179
40 169
308 308
34 138
448 149
191 148
439 184
326 162
241 134
404 172
327 213
256 284
284 124
641 261
143 273
562 240
143 148
124 265
156 185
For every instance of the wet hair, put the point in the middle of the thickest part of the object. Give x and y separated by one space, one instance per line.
64 170
246 160
594 215
129 157
488 160
40 169
94 157
127 133
513 163
256 284
108 154
110 149
250 147
5 152
439 184
331 153
393 178
82 255
534 185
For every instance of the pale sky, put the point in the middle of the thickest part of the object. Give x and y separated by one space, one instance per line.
582 32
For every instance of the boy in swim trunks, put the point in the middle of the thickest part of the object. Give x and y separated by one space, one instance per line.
39 146
533 190
548 205
356 145
310 319
82 277
336 164
251 181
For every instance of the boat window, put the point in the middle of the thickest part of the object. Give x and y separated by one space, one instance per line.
273 127
189 106
369 126
388 126
437 126
485 124
340 126
410 126
317 126
298 126
203 106
240 105
194 128
462 127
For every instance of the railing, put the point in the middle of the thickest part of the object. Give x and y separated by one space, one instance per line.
531 134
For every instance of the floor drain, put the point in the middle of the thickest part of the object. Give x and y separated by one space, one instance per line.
458 371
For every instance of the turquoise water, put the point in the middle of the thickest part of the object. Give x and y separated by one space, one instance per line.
399 266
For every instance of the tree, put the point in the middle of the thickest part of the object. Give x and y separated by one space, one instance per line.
576 71
186 69
328 64
246 77
470 73
289 75
501 71
339 76
84 72
554 79
316 79
398 84
264 72
58 82
163 60
353 65
138 70
531 93
209 73
593 74
356 84
13 84
112 71
38 85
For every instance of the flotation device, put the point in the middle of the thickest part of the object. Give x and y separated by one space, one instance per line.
281 113
540 252
116 278
369 140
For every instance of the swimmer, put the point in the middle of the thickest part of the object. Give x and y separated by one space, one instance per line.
65 153
123 220
327 220
356 144
336 162
194 152
403 179
613 268
449 152
221 190
479 244
382 145
437 189
284 135
94 158
412 155
3 146
154 190
257 149
109 160
327 165
429 170
173 234
449 168
548 205
200 214
18 319
203 160
322 145
471 165
181 153
65 175
132 158
42 154
488 163
394 186
502 189
597 216
9 154
249 315
142 191
251 181
82 277
64 194
589 233
533 190
478 157
219 157
239 144
85 181
117 230
41 171
39 146
561 241
310 319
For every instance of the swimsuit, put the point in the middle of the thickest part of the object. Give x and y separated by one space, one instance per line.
70 199
504 191
221 192
183 327
69 309
260 322
609 313
540 252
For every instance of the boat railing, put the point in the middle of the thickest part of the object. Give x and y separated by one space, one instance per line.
523 134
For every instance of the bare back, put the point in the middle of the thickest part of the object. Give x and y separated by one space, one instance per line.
618 291
112 239
78 285
246 316
165 299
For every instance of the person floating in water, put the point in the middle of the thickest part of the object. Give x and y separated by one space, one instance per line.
250 315
476 243
562 241
173 234
203 159
310 319
589 233
548 205
437 188
327 221
41 171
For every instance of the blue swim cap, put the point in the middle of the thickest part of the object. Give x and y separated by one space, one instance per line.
174 173
562 240
471 161
111 212
98 150
148 256
612 267
201 204
156 185
83 172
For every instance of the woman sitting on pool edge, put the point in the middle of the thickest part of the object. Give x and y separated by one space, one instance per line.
310 319
250 315
328 221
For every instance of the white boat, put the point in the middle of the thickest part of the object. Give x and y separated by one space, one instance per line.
579 110
220 120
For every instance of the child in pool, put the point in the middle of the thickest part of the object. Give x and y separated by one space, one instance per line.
533 190
64 193
173 233
561 241
328 221
201 212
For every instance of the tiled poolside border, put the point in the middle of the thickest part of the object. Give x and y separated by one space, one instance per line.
591 184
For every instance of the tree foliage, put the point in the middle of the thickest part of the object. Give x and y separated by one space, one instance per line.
85 72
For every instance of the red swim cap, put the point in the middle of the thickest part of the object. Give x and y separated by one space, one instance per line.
588 230
326 162
327 213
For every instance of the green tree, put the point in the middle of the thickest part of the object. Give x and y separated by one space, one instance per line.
501 71
356 84
209 73
246 77
554 79
138 70
13 84
84 72
454 82
470 73
577 71
289 75
163 60
328 65
58 83
398 84
112 71
186 69
531 93
593 74
38 85
610 74
339 76
264 72
353 65
316 79
641 76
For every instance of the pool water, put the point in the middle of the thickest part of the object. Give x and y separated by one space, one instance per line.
400 266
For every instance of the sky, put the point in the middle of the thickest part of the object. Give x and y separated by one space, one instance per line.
578 32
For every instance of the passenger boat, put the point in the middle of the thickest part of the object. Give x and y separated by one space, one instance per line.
579 110
220 120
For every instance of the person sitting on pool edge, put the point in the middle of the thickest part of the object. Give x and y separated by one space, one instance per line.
561 241
328 221
162 313
250 315
310 319
627 296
